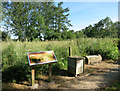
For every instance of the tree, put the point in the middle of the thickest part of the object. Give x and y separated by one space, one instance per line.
47 11
56 20
36 21
104 28
80 34
5 36
33 19
115 30
62 20
88 31
15 17
68 34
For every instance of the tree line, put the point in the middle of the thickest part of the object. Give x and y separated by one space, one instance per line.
104 28
48 21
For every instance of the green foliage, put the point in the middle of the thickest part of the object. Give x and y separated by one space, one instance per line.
104 28
105 47
80 34
34 20
17 72
15 62
49 21
4 35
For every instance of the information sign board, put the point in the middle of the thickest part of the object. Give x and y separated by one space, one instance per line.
44 57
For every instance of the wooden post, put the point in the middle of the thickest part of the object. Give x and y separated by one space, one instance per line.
33 76
83 65
70 51
50 73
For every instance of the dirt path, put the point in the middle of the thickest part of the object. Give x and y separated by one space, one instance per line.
96 76
102 75
105 74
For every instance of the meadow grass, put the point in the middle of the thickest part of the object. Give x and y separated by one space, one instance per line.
14 54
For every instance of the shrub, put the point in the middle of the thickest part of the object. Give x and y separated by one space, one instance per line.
15 62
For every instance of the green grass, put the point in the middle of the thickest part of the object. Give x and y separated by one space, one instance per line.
15 62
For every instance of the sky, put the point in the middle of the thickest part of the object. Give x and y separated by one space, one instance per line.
82 14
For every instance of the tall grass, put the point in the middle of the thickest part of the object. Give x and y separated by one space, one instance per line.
15 62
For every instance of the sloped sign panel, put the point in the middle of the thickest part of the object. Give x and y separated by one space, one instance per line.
44 57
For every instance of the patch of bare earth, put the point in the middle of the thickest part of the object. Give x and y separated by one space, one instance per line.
104 73
96 76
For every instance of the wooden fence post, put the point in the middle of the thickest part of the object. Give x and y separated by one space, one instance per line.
33 76
70 51
50 73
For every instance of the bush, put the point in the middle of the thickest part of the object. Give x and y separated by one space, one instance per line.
15 62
